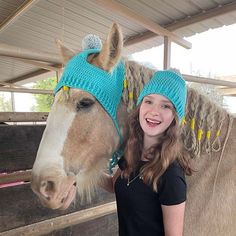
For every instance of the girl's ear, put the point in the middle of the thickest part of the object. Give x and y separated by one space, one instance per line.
111 50
65 52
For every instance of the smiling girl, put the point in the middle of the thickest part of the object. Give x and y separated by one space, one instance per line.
150 182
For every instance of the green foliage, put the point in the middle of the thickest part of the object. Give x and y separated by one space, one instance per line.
44 101
5 104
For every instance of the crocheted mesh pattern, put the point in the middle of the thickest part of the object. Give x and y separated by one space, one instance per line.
169 84
104 86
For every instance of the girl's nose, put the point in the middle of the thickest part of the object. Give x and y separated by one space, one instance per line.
155 111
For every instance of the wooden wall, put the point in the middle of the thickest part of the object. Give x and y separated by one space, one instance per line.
20 207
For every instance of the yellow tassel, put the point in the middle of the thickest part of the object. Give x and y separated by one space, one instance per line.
183 122
208 134
125 83
218 133
131 95
199 134
65 88
192 124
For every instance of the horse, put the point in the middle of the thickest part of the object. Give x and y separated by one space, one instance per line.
82 136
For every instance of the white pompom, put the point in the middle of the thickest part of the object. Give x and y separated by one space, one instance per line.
91 41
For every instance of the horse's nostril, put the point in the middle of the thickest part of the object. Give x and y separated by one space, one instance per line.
74 184
50 186
47 188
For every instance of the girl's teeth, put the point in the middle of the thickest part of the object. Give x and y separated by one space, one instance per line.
154 122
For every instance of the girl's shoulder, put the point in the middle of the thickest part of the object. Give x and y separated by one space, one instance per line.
172 186
174 169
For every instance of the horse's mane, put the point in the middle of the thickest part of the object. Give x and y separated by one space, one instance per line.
136 75
202 125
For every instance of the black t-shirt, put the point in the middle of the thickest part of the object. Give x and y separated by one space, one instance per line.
139 207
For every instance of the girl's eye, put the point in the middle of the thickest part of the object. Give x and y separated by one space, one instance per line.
147 101
85 103
166 106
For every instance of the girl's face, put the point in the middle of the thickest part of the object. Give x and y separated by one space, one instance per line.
155 116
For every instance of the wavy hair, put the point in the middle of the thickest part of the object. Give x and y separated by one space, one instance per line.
168 149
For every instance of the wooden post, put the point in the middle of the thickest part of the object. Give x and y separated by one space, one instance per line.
167 53
12 102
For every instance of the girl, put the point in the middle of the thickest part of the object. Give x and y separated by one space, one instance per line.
150 182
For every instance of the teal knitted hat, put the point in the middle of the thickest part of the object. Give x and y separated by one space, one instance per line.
170 84
104 86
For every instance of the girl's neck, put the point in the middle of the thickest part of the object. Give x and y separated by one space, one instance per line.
149 141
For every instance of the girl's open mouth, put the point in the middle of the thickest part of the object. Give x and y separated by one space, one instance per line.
152 123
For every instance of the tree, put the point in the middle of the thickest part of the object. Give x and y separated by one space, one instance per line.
44 101
5 104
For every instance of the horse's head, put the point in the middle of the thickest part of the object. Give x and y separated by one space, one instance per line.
82 132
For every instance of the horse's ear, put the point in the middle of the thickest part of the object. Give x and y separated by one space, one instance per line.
111 50
65 52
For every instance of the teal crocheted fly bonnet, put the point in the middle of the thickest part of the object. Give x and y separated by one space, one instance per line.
105 86
170 84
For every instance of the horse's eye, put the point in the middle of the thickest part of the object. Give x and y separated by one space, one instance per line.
84 103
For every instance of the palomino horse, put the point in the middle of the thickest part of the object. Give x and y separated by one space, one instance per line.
82 135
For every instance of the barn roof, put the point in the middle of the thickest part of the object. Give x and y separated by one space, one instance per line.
35 24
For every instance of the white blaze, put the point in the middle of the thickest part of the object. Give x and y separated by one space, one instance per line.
55 134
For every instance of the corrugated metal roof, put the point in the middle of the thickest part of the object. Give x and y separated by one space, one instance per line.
7 7
47 20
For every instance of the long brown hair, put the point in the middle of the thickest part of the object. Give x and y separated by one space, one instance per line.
168 149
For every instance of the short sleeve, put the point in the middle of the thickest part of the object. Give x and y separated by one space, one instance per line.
172 188
122 163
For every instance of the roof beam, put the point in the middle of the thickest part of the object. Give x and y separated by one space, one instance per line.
26 90
16 52
55 67
27 76
219 10
148 24
204 80
228 91
26 5
10 85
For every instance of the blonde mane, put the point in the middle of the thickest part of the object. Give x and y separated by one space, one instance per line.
136 75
